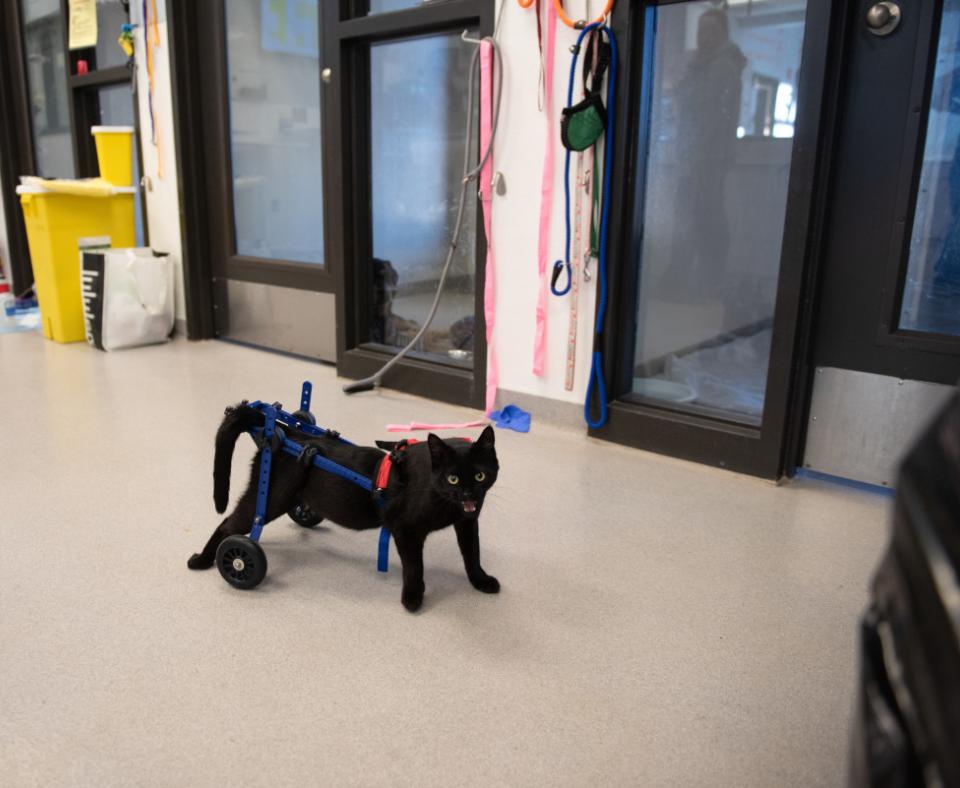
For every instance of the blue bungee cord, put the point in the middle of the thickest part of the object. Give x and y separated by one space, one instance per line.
597 385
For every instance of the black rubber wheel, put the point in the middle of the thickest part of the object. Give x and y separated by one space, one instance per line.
305 416
241 561
302 515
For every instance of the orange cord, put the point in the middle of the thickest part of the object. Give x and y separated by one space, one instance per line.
576 25
151 38
579 25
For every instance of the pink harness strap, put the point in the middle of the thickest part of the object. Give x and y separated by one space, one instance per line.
486 200
546 198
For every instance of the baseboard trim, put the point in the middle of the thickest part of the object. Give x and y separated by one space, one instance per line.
544 409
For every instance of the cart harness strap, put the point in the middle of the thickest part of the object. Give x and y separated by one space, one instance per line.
382 480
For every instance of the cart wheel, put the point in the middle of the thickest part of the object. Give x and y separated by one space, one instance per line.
302 515
305 416
241 561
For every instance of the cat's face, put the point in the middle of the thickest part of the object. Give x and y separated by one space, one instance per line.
462 472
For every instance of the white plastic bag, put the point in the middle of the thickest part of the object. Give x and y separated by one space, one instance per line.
128 297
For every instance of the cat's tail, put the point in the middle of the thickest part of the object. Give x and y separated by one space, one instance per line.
236 421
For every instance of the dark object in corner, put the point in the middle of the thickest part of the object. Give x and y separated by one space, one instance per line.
907 716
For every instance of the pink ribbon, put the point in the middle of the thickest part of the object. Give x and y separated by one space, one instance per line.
486 200
423 425
546 197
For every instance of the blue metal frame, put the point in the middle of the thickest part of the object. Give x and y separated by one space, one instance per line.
274 415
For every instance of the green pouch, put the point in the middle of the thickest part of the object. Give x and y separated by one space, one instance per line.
583 124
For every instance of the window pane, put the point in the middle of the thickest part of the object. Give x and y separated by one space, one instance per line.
116 109
110 17
382 6
418 108
274 66
718 164
47 85
931 294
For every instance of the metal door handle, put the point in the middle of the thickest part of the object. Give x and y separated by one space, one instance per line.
327 75
883 18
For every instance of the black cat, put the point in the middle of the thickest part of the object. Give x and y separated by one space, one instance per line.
432 485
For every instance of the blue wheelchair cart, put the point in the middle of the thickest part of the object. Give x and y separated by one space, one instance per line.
240 559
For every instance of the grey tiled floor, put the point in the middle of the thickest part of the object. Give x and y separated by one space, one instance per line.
660 623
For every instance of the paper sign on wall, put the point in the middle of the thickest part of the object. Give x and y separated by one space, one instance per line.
83 24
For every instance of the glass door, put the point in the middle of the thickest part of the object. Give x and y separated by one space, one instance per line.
262 209
276 169
718 158
332 139
416 155
405 70
722 109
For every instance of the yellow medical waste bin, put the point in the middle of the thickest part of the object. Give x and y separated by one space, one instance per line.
57 215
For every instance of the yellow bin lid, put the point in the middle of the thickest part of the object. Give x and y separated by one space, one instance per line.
111 129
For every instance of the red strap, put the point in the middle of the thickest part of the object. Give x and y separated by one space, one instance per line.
386 464
383 473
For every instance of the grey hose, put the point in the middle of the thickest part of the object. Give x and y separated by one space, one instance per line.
469 175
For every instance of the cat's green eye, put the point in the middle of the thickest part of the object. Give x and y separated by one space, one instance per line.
480 476
453 479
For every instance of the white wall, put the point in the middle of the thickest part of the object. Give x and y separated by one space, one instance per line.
162 198
519 156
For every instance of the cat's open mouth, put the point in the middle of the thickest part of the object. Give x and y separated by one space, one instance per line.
469 507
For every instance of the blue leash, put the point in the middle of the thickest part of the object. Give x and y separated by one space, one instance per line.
597 388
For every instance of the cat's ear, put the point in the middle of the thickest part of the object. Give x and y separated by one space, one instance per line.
439 451
486 440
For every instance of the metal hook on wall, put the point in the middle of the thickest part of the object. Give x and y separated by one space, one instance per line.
467 40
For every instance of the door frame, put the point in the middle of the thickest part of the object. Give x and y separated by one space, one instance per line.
197 46
16 144
197 33
17 156
447 383
760 451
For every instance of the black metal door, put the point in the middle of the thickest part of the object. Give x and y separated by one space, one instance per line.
889 297
886 339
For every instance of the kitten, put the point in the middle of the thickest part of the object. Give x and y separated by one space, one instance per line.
432 485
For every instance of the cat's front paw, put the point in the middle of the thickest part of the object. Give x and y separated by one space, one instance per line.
486 583
412 599
198 561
